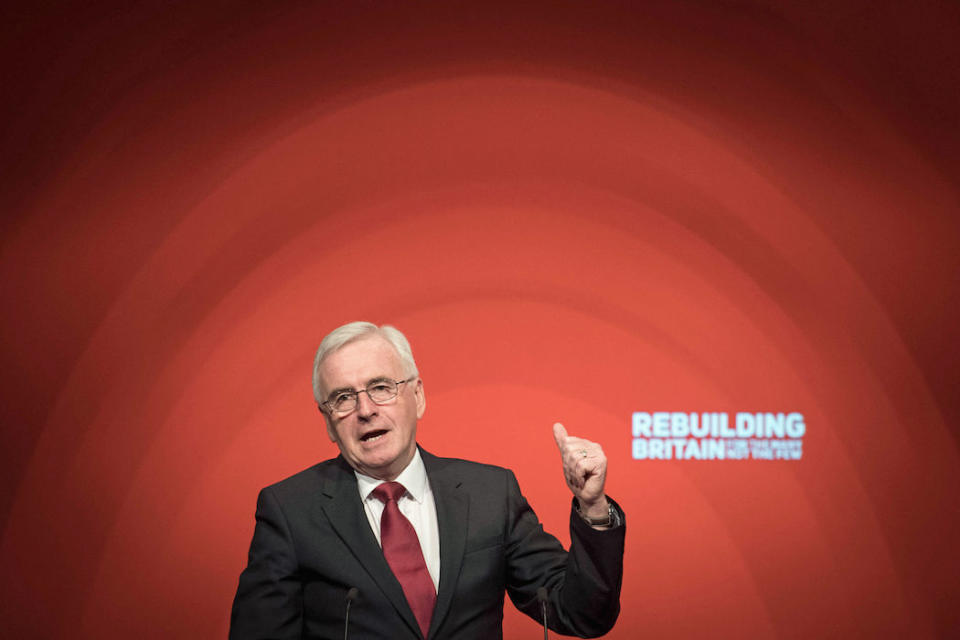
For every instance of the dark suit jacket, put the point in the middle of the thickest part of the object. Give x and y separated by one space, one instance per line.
312 543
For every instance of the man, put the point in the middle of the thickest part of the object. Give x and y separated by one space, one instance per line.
412 545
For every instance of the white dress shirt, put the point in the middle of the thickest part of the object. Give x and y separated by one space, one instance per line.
417 504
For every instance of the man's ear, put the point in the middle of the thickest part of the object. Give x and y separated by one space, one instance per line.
421 399
331 432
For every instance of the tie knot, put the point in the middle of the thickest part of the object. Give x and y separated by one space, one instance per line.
389 491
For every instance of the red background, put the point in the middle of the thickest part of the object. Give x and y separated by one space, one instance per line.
574 210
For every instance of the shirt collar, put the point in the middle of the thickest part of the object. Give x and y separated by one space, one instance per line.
413 478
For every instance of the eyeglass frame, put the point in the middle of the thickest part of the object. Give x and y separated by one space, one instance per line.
356 396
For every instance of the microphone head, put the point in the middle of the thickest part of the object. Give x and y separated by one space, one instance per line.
542 594
352 593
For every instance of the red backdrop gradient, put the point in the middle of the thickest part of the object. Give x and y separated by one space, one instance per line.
574 210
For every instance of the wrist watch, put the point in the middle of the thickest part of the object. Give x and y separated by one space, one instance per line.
612 518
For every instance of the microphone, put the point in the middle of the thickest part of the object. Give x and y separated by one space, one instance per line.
352 594
542 599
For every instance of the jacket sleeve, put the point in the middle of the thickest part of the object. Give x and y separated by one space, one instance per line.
269 602
583 585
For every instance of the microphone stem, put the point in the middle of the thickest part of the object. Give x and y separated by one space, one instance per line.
543 611
542 597
352 593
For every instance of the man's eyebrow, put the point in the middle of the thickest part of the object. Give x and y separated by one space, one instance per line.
371 381
340 390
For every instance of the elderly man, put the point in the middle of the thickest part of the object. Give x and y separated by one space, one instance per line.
388 541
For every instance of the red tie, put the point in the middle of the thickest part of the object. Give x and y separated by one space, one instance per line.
401 547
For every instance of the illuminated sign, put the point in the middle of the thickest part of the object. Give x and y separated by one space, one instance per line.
677 435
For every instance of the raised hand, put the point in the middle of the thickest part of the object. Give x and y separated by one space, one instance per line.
584 469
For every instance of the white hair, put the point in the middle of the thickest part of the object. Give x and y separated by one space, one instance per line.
341 336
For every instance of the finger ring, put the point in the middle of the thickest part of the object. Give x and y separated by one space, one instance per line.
583 453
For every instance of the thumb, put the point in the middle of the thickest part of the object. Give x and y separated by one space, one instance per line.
559 434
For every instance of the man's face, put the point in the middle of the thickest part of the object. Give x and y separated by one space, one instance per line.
377 440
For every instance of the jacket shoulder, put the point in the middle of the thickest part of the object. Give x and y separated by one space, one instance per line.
465 469
307 481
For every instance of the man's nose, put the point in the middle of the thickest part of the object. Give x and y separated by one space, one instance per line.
366 407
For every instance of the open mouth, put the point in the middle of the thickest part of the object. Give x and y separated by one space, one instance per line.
373 436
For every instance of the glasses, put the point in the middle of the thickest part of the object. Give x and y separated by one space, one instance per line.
380 391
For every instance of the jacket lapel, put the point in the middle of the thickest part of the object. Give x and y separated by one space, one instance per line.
453 508
340 505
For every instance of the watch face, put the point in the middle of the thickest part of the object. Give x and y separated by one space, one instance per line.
612 519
